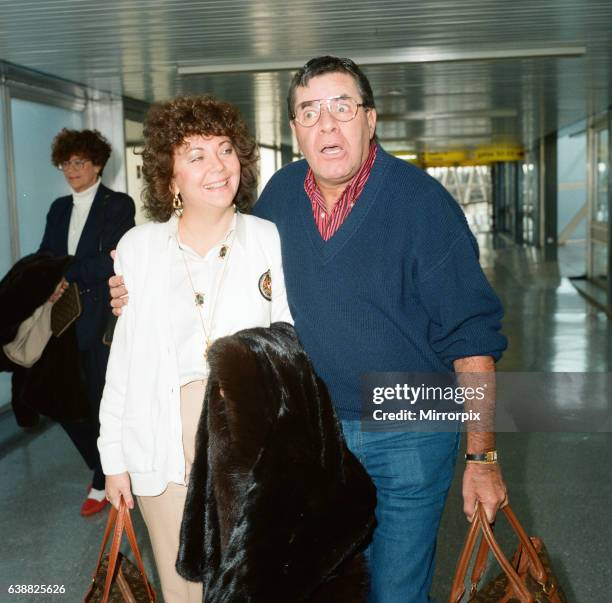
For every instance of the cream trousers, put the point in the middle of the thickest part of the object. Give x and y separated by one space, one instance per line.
163 513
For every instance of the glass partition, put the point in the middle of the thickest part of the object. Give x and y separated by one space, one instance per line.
602 161
5 243
38 183
598 228
529 199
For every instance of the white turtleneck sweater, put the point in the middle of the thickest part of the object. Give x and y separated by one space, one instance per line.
81 204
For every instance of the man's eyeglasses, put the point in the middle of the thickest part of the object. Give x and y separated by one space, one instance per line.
342 108
77 164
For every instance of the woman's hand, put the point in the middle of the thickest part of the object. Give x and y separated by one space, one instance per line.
117 486
59 290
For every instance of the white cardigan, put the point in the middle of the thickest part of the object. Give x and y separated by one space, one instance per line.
140 422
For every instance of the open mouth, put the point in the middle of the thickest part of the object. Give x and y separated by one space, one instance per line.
216 185
331 149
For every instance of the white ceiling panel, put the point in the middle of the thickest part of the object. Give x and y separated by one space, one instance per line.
445 73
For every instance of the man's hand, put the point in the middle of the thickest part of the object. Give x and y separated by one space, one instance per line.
483 483
59 290
117 486
118 292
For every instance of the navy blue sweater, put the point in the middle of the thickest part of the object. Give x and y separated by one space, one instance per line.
397 288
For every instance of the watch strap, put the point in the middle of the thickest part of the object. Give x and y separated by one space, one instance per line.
482 457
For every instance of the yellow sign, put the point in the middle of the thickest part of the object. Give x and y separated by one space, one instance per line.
446 158
492 154
409 156
480 156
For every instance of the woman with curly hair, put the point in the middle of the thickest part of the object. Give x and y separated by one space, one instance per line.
202 269
87 224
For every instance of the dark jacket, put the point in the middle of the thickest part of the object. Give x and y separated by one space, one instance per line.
110 217
52 386
278 509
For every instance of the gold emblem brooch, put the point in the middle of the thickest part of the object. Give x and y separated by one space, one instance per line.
265 285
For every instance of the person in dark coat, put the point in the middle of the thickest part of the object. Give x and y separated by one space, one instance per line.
51 385
87 224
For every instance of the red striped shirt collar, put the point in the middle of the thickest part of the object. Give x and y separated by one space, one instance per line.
329 223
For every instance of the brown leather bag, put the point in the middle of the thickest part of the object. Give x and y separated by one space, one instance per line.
528 578
117 579
66 310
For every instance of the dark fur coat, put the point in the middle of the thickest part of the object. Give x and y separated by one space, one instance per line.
52 386
278 509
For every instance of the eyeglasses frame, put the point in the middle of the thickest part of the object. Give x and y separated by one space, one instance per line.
71 163
328 100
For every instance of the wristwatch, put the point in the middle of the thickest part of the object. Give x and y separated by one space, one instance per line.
484 457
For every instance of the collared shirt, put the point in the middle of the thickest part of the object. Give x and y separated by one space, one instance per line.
81 204
206 272
329 223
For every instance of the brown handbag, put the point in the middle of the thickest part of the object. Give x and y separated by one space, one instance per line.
528 578
117 579
66 310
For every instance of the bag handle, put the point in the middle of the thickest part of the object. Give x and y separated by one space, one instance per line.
131 535
479 565
458 586
112 516
121 520
481 557
536 568
519 588
114 552
481 523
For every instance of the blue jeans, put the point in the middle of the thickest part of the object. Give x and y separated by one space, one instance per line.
412 473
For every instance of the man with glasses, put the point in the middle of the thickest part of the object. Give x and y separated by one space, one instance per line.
382 275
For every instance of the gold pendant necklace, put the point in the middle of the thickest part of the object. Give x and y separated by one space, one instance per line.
199 297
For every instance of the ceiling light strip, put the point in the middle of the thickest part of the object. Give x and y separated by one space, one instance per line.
395 57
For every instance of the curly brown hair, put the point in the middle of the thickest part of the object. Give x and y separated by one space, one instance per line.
166 127
86 144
